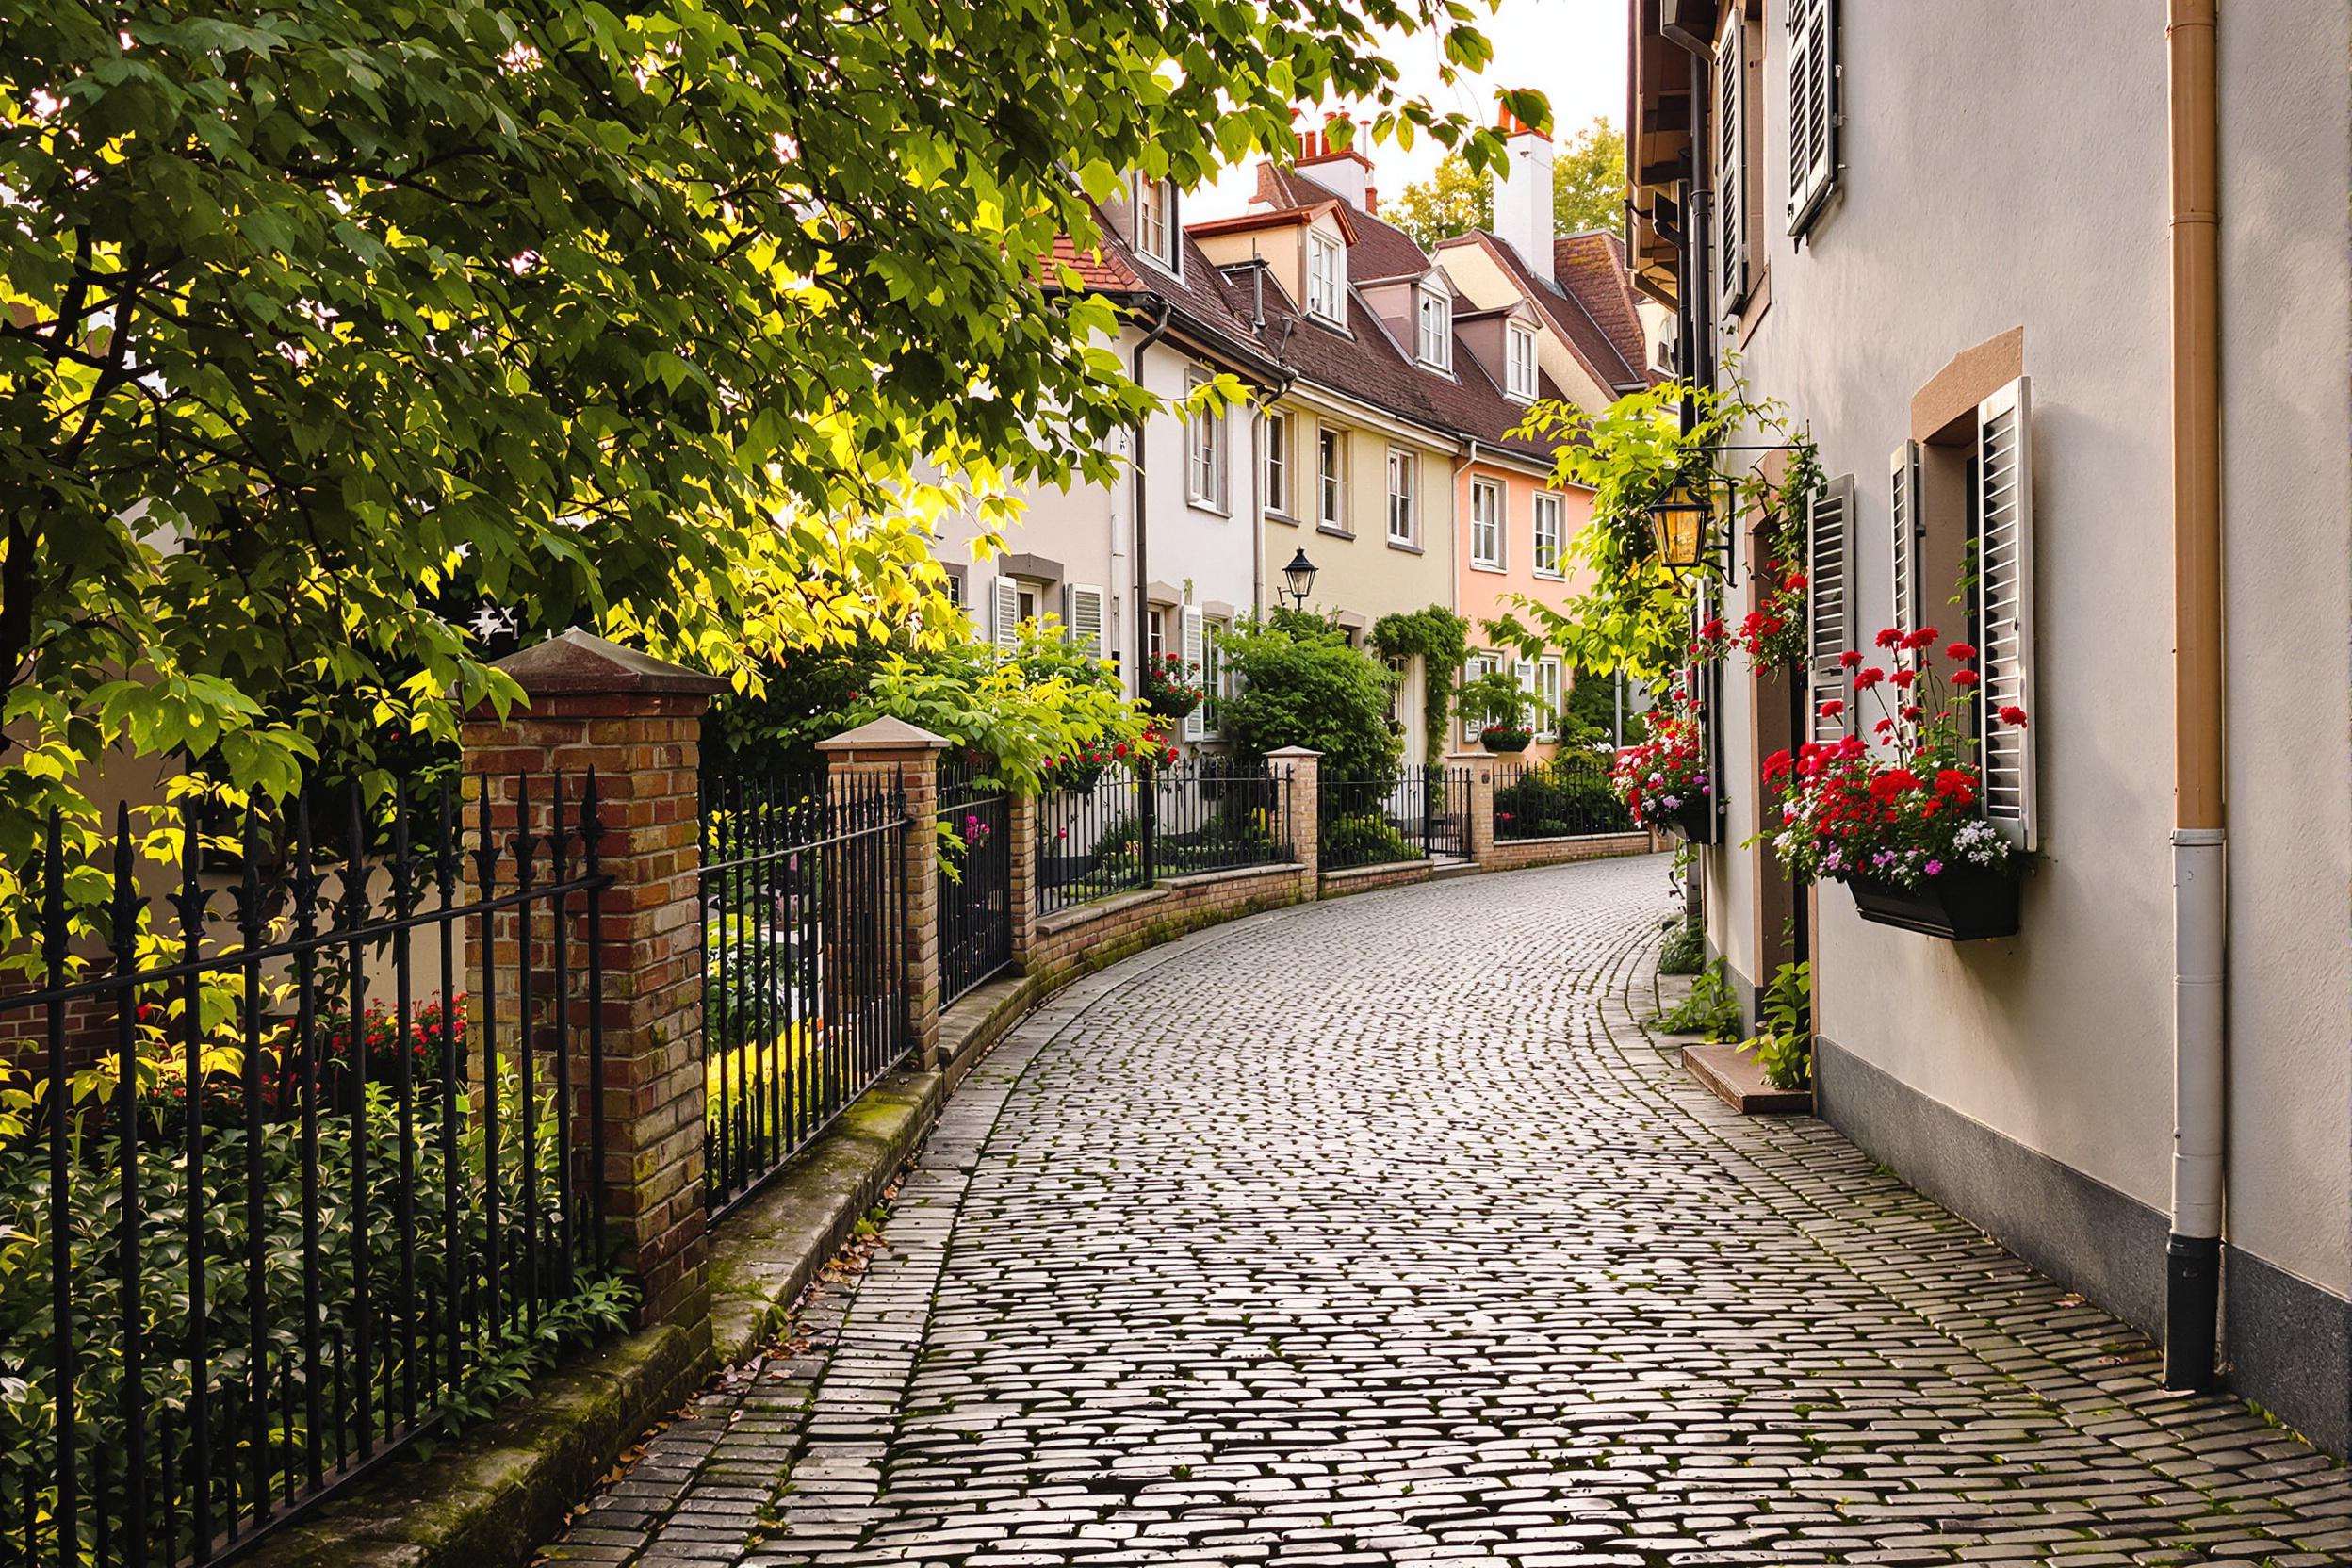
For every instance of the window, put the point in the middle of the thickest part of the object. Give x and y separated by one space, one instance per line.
1156 219
955 588
1005 611
1812 108
1205 468
1156 628
1473 667
1327 278
1330 447
2002 535
1906 529
1519 373
1547 699
1486 524
1403 528
1278 462
1828 526
1548 541
1437 328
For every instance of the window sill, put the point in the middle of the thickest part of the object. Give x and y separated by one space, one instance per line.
1273 516
1214 509
1334 530
1488 566
1406 546
1551 576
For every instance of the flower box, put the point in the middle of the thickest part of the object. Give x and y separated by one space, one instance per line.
1693 820
1964 904
1501 739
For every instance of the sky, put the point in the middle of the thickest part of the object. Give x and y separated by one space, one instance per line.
1574 50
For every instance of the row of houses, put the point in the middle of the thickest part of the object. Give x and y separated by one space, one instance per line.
1378 441
2062 294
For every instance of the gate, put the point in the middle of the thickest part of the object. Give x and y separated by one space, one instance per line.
975 899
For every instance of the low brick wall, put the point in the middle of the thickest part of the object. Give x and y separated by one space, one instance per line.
1517 854
1102 933
1362 879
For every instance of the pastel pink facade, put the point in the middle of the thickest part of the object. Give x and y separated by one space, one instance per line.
1502 557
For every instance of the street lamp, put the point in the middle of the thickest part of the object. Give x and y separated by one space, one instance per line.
1299 577
1679 526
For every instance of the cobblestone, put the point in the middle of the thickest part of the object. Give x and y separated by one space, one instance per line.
1377 1232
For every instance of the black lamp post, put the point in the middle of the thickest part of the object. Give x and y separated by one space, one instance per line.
1299 577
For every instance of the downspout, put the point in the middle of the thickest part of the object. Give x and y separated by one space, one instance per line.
2192 1254
1136 466
1257 521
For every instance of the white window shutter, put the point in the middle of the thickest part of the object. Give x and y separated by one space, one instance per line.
1812 107
1731 155
1196 721
1473 667
1005 601
1829 607
1904 530
1084 622
2004 590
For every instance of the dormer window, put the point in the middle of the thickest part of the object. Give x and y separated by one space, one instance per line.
1327 279
1156 219
1519 371
1437 328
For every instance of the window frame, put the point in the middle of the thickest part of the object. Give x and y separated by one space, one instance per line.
1814 97
1327 279
1517 335
1404 496
1434 343
1330 480
1557 505
1205 452
1274 468
1162 249
1550 696
1496 558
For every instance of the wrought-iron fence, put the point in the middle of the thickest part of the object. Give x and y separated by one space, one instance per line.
1563 797
286 1190
1421 813
1092 840
975 899
1215 815
804 980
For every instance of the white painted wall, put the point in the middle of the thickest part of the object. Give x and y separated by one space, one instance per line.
2005 164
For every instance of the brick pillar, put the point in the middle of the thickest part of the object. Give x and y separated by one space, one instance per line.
1481 845
1020 821
893 746
1306 816
638 722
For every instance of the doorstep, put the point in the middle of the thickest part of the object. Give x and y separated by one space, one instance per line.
1738 1082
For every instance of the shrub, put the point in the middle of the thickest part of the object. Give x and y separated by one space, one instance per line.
1366 839
1299 684
1783 1044
1683 950
1710 1010
1568 795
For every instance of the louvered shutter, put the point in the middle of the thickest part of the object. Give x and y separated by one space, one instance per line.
2004 589
1731 155
1473 667
1904 532
1196 721
1005 602
1812 107
1829 606
1083 619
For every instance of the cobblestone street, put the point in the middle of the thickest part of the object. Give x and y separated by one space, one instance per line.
1379 1232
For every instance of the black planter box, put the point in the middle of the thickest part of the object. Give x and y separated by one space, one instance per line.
1693 820
1961 907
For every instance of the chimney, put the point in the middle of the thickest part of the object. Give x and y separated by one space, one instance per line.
1346 173
1523 195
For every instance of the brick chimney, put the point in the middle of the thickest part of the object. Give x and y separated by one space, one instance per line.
1523 195
1346 172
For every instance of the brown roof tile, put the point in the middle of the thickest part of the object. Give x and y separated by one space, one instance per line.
1592 266
1377 249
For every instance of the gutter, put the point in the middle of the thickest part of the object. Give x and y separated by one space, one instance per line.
1142 499
2199 865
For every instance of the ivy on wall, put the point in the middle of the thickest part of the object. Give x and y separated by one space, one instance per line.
1442 640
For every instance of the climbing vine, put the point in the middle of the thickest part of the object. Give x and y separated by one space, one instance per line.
1442 640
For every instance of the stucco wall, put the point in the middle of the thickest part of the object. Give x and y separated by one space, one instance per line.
1990 181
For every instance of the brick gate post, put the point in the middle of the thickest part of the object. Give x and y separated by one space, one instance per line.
1478 838
1306 811
637 721
1020 821
895 747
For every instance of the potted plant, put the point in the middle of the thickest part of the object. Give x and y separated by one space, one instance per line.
1664 780
1171 686
1898 816
1504 705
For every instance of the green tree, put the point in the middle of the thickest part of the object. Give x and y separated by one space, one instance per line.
318 319
1588 191
1298 683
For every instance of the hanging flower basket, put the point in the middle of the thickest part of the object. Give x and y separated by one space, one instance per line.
1961 906
1503 738
1693 821
1173 686
1663 781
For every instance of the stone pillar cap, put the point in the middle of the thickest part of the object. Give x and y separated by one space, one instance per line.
578 663
1294 751
884 734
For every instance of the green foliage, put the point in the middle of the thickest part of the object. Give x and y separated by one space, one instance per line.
1498 699
1299 684
1046 701
1710 1010
774 729
1366 839
1568 794
1588 191
322 324
1783 1043
1592 708
1441 640
1683 950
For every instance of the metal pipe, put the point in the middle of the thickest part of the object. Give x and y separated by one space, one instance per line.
2199 849
1136 466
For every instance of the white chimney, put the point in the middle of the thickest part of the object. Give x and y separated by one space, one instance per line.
1523 196
1346 173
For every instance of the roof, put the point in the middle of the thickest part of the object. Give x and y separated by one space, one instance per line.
1283 219
1200 293
1592 266
1614 366
1376 249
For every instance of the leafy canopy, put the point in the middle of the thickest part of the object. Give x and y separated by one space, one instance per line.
1588 191
323 321
1298 683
